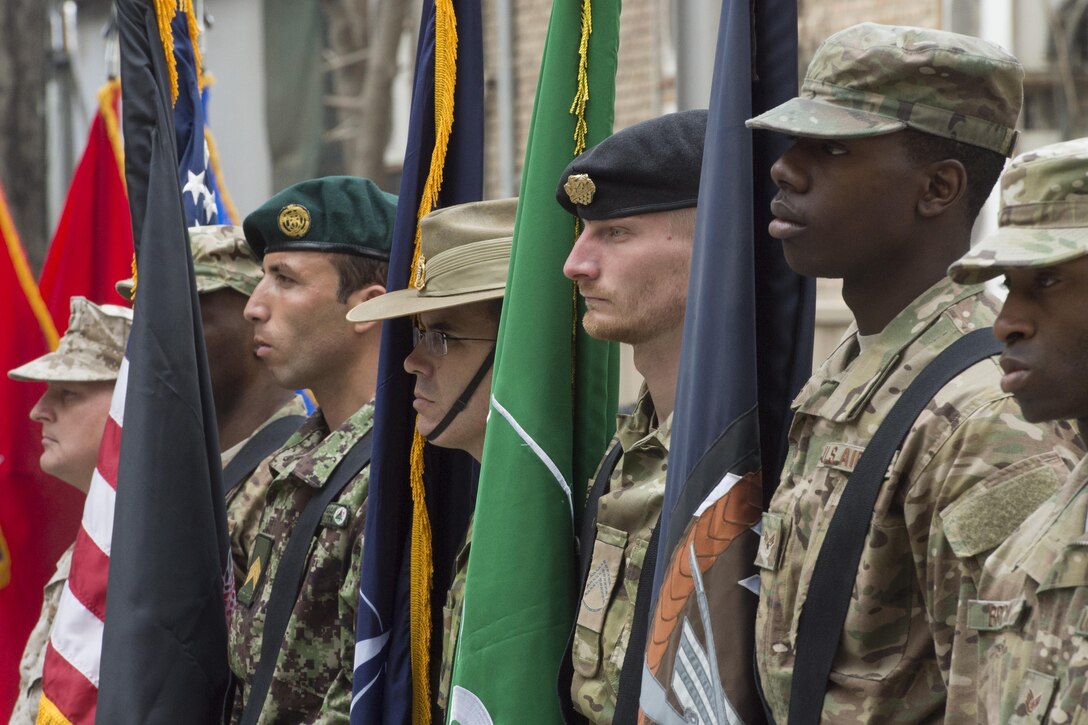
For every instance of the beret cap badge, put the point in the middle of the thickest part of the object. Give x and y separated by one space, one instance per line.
580 188
294 220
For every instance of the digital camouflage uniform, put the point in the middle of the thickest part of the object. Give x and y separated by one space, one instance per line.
966 475
626 516
1031 611
312 679
90 351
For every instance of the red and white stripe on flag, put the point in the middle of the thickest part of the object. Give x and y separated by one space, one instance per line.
70 678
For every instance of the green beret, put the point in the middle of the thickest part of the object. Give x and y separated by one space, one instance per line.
649 167
344 214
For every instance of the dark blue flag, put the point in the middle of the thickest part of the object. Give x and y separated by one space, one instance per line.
747 350
164 647
382 690
198 183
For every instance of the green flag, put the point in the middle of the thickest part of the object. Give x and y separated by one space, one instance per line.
553 401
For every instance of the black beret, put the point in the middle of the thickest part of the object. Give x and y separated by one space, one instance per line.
345 214
649 167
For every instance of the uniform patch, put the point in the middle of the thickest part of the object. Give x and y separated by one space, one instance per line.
771 542
987 615
604 572
258 564
336 516
1033 702
841 456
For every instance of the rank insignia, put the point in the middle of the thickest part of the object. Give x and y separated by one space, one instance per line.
420 280
258 563
294 220
580 188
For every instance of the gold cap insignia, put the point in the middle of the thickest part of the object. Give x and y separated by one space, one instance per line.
580 188
294 220
421 273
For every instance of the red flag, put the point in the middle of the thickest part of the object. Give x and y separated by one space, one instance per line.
92 247
38 514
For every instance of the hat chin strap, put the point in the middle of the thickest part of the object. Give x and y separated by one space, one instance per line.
462 400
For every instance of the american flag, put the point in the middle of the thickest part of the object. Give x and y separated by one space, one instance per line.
171 560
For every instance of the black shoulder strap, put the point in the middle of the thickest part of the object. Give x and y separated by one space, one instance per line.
290 572
587 535
627 696
263 443
824 611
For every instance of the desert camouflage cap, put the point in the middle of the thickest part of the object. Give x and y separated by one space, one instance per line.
871 80
464 254
91 350
222 259
1043 219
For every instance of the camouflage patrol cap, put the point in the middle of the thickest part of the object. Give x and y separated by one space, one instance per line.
871 80
464 256
342 214
221 260
91 350
649 167
1043 219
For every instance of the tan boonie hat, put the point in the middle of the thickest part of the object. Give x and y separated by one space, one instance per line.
90 351
222 259
464 257
871 80
1043 219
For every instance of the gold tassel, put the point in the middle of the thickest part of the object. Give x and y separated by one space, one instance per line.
135 280
107 108
50 714
445 81
581 96
164 14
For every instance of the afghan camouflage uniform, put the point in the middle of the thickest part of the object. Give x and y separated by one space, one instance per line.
626 516
33 661
312 678
965 476
451 620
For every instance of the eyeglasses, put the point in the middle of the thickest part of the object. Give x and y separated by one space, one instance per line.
436 340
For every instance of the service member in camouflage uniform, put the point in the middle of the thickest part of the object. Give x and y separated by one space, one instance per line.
635 193
901 134
456 304
80 376
247 397
325 248
1031 612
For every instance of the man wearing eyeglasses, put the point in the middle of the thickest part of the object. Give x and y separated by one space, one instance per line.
324 244
455 302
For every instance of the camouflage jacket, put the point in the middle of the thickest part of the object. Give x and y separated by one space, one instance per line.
312 679
245 502
451 620
626 515
33 660
968 472
1031 615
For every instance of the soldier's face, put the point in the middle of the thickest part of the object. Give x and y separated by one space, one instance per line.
845 207
298 323
633 274
1045 331
440 380
72 416
228 337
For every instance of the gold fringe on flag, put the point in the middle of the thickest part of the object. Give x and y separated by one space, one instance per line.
26 279
581 96
107 108
224 195
445 81
50 714
165 10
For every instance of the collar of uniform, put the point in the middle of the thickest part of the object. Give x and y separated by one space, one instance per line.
635 429
312 452
843 385
1065 513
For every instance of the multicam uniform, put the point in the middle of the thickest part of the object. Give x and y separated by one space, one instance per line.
451 619
312 679
1031 615
964 478
626 516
